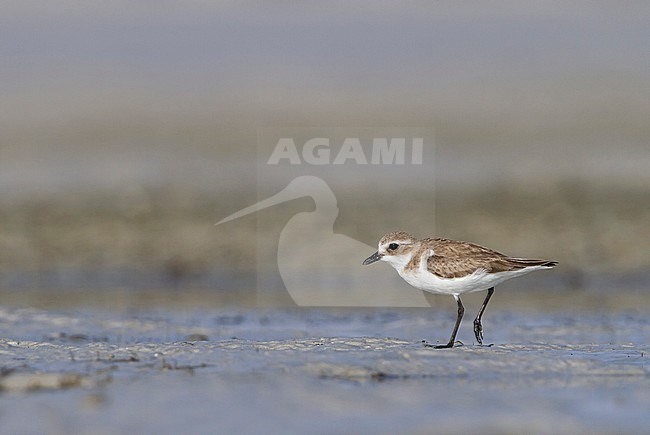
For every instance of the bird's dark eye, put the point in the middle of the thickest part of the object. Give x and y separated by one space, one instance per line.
393 246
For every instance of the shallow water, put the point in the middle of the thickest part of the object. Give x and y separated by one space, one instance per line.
321 371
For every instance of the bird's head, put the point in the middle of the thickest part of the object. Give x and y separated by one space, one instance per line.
396 248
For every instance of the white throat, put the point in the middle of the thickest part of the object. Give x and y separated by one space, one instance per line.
398 261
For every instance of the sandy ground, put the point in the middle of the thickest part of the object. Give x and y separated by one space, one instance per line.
321 371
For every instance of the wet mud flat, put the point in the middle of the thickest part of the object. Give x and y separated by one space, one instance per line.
321 371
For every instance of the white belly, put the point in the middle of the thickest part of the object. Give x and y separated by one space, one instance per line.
477 281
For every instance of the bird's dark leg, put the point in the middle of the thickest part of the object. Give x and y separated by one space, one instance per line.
478 328
452 340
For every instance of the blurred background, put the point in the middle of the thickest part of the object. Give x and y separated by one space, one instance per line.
128 129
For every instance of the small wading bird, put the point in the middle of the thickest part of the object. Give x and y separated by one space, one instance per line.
451 267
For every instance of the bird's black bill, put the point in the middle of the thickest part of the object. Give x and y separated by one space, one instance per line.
374 257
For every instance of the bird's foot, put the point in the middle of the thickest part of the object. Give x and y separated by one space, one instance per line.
443 346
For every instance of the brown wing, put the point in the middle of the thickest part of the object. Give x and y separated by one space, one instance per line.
454 259
446 267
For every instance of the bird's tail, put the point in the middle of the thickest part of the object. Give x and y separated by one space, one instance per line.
525 262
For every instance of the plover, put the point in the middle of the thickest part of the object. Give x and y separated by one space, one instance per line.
450 267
